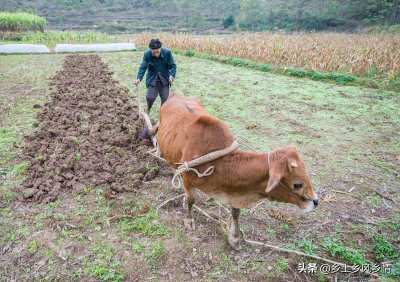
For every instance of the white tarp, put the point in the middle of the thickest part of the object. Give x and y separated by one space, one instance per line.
60 48
23 48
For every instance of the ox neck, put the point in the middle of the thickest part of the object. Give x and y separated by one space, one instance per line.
257 162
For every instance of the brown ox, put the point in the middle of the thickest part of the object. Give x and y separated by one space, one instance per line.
187 131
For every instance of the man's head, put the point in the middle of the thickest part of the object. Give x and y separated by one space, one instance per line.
155 46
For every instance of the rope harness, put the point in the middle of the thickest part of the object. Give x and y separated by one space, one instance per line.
188 166
185 166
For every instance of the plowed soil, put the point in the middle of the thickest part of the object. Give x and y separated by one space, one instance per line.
87 135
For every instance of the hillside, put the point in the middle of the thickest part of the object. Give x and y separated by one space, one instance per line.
119 16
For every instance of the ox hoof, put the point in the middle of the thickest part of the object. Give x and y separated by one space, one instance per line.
189 223
234 242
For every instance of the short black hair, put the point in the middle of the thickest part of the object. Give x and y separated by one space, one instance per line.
155 44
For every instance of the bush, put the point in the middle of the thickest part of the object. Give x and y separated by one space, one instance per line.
337 249
299 73
229 21
21 22
189 53
383 249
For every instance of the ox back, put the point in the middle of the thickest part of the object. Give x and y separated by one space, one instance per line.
187 131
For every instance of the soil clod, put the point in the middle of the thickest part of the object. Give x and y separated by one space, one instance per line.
87 135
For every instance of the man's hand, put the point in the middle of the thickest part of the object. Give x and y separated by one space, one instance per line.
136 82
171 79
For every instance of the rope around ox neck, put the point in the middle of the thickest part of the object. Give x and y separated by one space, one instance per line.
188 166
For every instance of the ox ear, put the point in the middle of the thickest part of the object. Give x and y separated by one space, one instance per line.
272 183
291 165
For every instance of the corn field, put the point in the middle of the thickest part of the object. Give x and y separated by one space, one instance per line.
374 56
21 22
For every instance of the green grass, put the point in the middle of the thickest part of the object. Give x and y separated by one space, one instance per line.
10 237
104 265
383 249
7 138
67 37
149 224
390 225
336 131
307 246
225 268
331 125
281 265
33 246
154 255
21 87
285 112
340 78
53 37
335 248
137 247
21 22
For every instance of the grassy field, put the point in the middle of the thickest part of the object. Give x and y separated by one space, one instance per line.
347 136
53 37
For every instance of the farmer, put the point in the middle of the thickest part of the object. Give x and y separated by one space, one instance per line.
162 70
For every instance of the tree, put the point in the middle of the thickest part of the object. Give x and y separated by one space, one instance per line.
251 11
299 6
196 21
393 15
229 21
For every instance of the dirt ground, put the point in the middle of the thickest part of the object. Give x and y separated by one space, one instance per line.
86 136
86 210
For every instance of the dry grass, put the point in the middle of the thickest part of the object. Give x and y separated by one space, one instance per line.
375 56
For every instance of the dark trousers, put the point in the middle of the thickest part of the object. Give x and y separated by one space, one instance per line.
153 91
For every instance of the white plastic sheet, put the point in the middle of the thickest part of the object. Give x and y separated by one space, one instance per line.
61 48
23 48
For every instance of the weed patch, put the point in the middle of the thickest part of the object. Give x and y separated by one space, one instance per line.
334 248
154 255
137 247
226 267
104 265
307 246
383 249
280 266
148 224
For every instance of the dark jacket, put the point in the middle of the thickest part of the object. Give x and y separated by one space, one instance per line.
164 64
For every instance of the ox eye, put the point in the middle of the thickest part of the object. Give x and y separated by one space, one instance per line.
298 185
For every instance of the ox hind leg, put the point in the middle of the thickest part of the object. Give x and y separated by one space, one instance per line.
233 228
188 220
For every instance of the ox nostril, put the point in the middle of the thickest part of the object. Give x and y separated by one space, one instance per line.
315 203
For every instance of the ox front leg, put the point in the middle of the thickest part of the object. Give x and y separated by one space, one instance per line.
233 228
189 221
